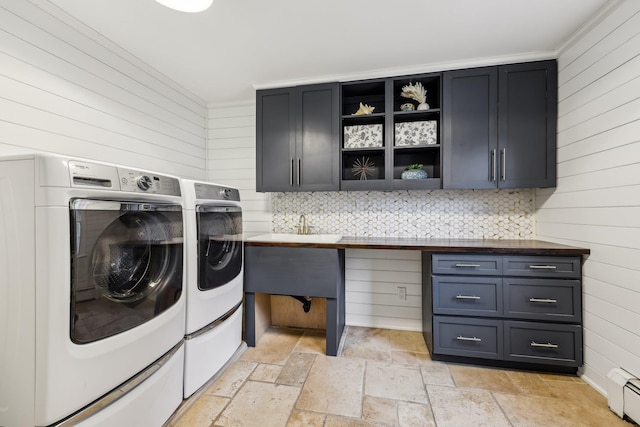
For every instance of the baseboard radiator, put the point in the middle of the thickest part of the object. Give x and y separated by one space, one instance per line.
623 394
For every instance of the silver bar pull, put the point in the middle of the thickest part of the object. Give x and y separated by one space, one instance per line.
299 166
542 345
473 297
544 300
291 172
543 267
467 265
493 165
504 164
474 339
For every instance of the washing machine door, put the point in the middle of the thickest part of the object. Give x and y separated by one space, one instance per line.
126 267
219 245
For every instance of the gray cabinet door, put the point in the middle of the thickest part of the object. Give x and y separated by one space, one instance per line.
317 138
537 342
499 126
297 139
470 137
275 140
527 116
467 296
467 264
468 336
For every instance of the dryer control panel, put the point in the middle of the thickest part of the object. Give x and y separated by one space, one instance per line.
148 182
216 192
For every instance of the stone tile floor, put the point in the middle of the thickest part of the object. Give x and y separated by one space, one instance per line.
383 378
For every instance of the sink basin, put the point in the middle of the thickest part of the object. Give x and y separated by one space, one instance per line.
297 238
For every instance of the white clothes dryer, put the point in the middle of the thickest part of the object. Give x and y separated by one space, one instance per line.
214 279
91 302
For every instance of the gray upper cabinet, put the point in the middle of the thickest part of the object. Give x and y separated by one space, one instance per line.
527 120
483 128
470 132
499 126
297 139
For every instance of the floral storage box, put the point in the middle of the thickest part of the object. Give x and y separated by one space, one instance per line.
416 133
363 136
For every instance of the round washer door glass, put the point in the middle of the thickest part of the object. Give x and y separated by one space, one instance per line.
219 245
127 265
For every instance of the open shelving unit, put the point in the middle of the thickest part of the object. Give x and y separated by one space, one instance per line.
363 138
389 139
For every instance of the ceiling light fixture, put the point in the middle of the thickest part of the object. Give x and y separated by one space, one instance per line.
191 6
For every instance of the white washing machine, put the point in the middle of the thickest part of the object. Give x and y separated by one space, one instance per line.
214 280
91 302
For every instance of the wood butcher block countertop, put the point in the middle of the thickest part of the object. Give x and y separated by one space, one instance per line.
493 246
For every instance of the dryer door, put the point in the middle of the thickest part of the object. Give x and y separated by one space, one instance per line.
126 265
219 245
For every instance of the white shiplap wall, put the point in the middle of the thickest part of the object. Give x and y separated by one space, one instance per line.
597 201
372 279
231 158
66 89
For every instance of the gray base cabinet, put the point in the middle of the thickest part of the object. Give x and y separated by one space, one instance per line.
519 309
305 272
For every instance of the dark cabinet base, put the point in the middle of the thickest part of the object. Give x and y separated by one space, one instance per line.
512 311
305 272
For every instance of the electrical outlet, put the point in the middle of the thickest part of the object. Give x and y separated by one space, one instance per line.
402 292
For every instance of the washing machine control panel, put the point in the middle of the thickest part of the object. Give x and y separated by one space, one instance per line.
145 182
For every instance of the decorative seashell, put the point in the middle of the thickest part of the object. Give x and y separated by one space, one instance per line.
364 109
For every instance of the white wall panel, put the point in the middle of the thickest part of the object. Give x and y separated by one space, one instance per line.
597 201
67 90
591 40
372 279
231 160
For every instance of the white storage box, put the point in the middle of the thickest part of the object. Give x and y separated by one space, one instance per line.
416 133
363 136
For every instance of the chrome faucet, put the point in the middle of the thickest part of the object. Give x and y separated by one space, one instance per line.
303 228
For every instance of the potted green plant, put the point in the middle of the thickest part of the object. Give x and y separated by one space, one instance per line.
414 171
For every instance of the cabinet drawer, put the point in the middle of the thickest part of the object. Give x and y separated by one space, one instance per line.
537 266
543 343
485 265
543 299
471 296
469 337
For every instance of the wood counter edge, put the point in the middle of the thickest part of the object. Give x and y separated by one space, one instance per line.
494 246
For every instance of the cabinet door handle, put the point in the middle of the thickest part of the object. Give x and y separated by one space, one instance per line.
473 297
299 166
504 164
493 165
542 345
544 300
291 172
467 265
543 267
474 339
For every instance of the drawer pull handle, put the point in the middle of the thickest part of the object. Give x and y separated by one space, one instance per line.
543 267
467 265
545 300
547 345
467 297
474 339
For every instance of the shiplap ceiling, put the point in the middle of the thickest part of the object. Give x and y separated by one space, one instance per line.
222 54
